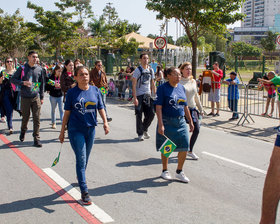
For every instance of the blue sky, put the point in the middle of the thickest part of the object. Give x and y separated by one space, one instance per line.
132 10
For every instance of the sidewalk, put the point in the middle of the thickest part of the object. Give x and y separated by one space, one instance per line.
262 128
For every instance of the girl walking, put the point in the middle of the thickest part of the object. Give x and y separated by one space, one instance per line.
7 95
54 89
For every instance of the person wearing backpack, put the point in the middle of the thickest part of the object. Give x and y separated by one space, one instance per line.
143 86
30 78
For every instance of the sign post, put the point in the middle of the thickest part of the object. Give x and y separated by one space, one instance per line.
160 43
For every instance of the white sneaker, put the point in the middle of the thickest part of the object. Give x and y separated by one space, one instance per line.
182 177
141 138
166 175
146 135
193 155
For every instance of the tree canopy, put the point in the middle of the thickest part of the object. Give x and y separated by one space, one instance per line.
198 16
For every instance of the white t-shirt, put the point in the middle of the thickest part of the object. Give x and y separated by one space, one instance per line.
143 85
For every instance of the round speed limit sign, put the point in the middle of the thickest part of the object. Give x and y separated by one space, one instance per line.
160 42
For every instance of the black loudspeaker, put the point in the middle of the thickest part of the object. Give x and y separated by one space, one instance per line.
220 58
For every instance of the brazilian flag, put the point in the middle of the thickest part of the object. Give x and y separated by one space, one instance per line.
36 86
6 75
51 82
103 90
57 158
167 147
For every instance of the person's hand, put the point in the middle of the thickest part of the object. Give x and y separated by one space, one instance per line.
201 114
57 85
61 137
1 79
42 101
27 83
191 126
135 101
73 85
161 129
259 79
106 128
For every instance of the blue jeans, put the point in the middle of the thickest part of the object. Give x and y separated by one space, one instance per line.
104 102
8 108
127 84
233 104
81 140
56 101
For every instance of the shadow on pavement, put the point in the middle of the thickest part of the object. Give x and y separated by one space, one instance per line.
113 141
127 186
145 162
39 202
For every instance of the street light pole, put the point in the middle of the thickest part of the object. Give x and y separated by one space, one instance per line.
166 21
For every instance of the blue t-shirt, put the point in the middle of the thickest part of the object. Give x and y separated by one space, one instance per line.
83 105
173 100
233 92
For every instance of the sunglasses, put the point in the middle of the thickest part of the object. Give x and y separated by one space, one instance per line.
9 61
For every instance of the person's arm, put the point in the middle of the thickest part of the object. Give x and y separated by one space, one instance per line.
16 79
64 123
216 73
159 117
188 116
134 83
271 188
105 123
153 87
265 81
226 82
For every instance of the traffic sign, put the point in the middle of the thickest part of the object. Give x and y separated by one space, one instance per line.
278 42
160 42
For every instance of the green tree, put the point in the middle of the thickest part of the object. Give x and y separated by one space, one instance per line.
15 37
182 41
127 48
56 27
242 49
198 16
269 42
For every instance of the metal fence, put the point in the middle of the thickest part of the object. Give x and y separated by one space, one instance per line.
252 101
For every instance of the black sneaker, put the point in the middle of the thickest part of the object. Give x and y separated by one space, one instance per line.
86 199
21 136
37 143
109 119
210 114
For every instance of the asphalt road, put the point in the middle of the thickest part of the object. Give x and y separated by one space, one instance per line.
123 176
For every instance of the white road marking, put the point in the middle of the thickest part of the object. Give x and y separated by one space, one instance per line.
234 162
93 209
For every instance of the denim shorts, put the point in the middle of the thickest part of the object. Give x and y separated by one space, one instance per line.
271 95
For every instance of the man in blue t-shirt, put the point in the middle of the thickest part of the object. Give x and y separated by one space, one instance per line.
233 94
154 65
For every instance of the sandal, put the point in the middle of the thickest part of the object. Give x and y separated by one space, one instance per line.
263 114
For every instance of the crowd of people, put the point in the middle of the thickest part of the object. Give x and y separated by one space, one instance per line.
170 94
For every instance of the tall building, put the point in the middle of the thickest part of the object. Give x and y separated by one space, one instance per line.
260 13
261 16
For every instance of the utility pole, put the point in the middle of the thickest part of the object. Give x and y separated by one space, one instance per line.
166 22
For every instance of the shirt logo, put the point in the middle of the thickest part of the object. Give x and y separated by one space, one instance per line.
175 103
85 107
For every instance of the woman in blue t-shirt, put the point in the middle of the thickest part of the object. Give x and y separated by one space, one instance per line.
171 107
81 105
